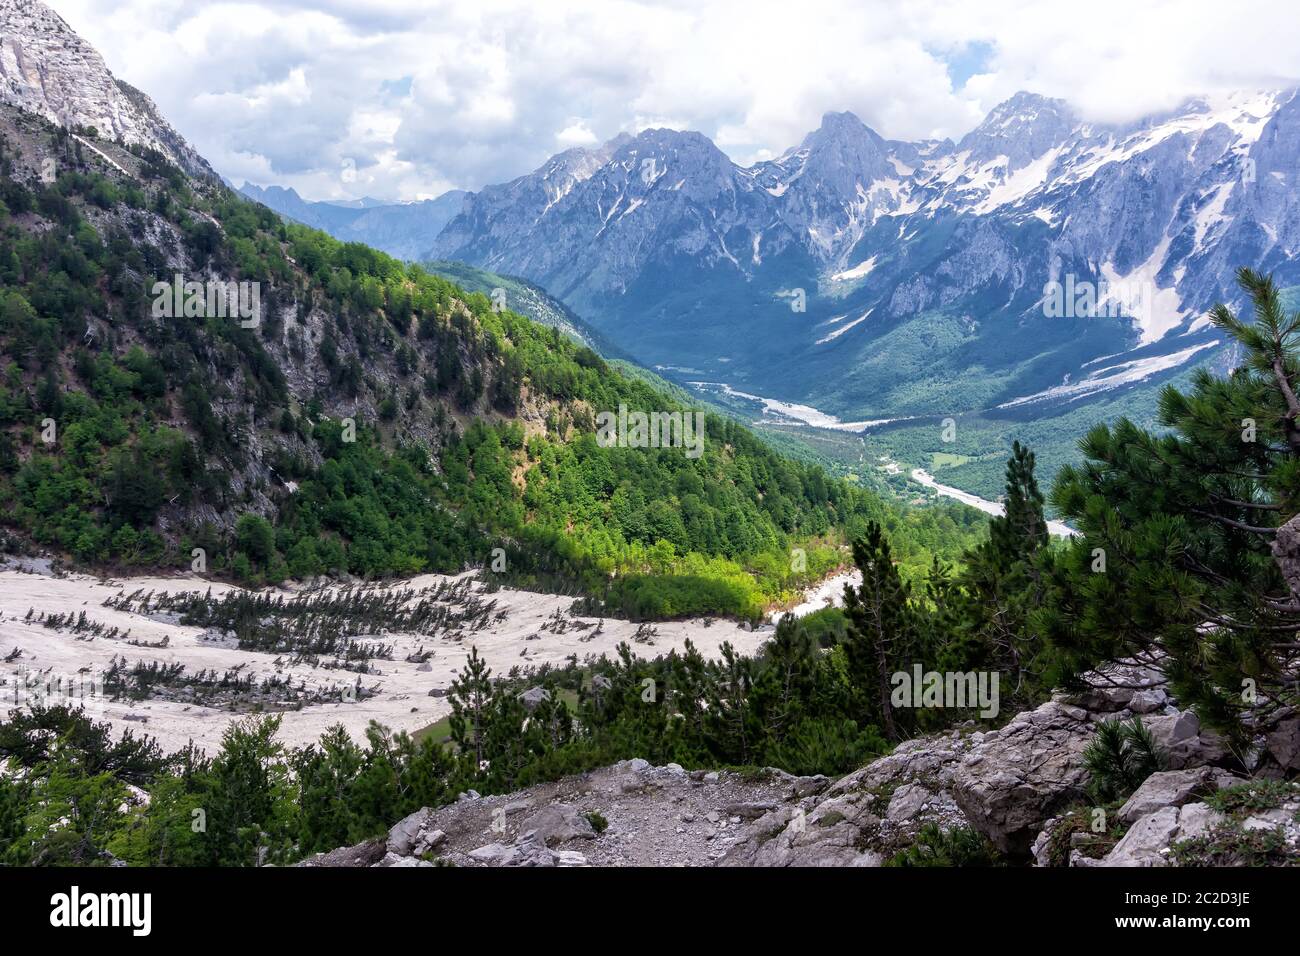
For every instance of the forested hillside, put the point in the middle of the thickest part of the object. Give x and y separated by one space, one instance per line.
372 418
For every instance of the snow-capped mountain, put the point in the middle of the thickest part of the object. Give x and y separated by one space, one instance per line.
45 68
927 269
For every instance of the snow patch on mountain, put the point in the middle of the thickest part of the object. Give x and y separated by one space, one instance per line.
843 328
1113 376
1157 310
859 271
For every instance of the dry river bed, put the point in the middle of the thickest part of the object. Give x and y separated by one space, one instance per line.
34 655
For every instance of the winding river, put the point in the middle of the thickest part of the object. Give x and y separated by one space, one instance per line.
921 476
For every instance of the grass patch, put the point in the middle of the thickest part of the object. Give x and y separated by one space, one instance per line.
1092 844
1231 844
943 459
1244 798
960 846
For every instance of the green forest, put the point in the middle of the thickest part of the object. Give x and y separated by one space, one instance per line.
410 450
1150 567
379 421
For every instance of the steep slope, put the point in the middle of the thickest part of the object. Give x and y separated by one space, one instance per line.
45 68
190 381
525 298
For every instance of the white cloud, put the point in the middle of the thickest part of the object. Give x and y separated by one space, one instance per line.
576 134
425 95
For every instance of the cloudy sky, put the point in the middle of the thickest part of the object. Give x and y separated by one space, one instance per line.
419 96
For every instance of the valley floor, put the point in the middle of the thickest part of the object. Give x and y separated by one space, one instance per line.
33 653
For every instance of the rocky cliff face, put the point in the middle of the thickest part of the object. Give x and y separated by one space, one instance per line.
45 68
1021 787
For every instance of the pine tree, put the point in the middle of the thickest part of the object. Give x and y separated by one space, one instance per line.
470 696
1021 531
730 721
881 627
1001 584
786 681
1178 531
325 779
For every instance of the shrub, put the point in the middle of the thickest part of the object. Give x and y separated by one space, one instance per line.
1119 757
960 846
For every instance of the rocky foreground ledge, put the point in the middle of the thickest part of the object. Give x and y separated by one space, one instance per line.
1022 787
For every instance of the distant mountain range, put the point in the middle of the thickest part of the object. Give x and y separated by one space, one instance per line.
875 278
921 267
400 229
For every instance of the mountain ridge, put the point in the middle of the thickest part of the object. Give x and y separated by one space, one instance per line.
898 285
46 68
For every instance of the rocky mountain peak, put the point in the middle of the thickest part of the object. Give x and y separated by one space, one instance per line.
47 69
1022 128
843 126
843 140
581 162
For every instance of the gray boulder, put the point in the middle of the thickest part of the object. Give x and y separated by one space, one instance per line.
1148 701
556 823
1150 840
534 697
1283 744
1185 742
907 801
808 786
1011 782
494 854
429 841
402 837
1174 788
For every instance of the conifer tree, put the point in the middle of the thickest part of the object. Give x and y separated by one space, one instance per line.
1001 584
881 627
1179 531
1021 531
470 696
786 681
731 721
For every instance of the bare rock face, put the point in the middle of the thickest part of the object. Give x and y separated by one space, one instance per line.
1286 554
1012 783
1174 788
1185 742
864 818
1149 841
1283 744
47 69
